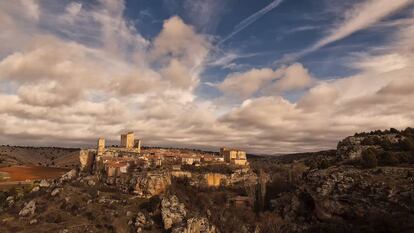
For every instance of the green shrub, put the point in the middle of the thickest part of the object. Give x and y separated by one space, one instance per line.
324 164
369 158
389 158
368 141
407 144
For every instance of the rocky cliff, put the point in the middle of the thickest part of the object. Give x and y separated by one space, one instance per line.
351 148
347 195
152 183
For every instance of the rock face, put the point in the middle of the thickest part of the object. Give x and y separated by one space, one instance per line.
172 211
242 176
352 147
28 209
345 192
86 159
349 148
196 225
151 184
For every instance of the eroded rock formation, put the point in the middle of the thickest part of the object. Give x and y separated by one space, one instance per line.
151 184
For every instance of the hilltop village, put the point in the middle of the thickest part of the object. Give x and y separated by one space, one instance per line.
365 185
148 172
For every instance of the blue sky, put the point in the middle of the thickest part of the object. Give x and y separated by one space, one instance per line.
265 76
290 27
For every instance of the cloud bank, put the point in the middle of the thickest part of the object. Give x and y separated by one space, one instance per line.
69 77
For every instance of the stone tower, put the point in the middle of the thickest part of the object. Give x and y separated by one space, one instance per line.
127 140
101 147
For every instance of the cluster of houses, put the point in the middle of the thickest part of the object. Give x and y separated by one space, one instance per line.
117 160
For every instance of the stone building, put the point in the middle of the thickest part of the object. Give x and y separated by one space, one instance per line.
214 179
190 160
114 169
234 156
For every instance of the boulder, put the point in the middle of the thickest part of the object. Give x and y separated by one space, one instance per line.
140 220
70 175
44 184
28 209
91 183
10 201
172 211
55 192
35 189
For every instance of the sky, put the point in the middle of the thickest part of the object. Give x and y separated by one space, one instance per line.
268 77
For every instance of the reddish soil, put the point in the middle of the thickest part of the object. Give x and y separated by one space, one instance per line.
22 173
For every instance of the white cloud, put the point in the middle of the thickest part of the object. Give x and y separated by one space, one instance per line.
247 83
362 16
382 63
359 17
178 74
295 77
266 80
181 52
73 8
31 7
179 40
379 96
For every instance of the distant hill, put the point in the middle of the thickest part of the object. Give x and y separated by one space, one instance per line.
40 156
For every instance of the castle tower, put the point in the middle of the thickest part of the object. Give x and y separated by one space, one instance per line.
127 140
101 146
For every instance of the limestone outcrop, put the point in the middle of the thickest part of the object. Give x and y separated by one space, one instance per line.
351 148
341 192
151 184
28 209
70 175
86 159
173 212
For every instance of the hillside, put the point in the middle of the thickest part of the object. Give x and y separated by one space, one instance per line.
39 156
